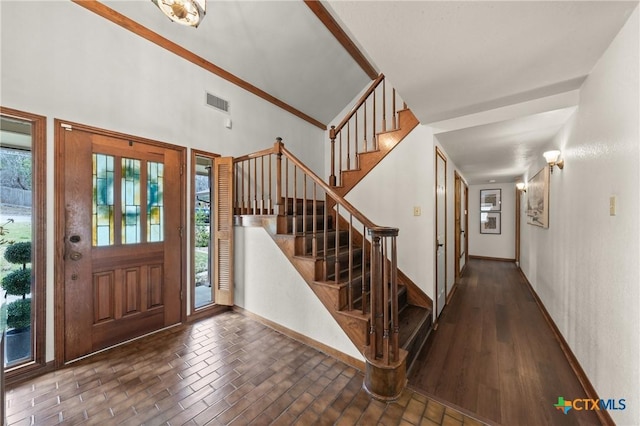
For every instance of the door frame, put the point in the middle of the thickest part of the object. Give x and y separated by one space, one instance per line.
440 154
38 244
461 193
61 126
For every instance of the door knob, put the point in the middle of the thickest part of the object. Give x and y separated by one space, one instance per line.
74 238
75 255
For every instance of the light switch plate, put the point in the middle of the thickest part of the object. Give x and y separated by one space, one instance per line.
612 205
417 211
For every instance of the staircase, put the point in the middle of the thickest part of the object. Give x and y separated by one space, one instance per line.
349 262
345 296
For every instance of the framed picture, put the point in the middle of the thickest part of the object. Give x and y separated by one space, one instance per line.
490 200
489 223
538 199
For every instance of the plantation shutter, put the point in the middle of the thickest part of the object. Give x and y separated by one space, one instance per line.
223 230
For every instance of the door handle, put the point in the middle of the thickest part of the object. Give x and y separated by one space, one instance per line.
75 255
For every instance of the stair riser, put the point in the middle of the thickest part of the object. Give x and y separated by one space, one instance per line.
343 240
302 225
302 209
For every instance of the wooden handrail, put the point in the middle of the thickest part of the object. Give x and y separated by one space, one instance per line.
358 104
296 204
358 131
332 194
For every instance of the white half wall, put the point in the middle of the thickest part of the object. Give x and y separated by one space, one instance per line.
585 267
388 194
503 245
267 284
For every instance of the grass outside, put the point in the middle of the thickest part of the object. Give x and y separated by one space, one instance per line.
201 261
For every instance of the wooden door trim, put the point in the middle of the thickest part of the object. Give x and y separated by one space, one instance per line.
39 238
517 242
60 126
440 154
466 227
212 308
457 217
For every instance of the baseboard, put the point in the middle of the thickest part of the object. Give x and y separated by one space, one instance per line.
341 356
452 292
27 373
603 415
498 259
207 312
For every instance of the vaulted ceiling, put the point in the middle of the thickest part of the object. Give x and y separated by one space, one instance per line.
496 80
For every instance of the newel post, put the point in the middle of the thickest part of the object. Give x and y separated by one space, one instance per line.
385 372
277 148
332 136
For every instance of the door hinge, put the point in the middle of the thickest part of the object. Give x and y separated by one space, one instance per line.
66 126
181 169
180 230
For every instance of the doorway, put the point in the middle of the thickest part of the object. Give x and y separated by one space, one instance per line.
441 231
119 226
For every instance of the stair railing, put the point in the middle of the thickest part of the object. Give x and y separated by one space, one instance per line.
357 132
272 182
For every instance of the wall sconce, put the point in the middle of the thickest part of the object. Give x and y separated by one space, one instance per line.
553 158
520 186
185 12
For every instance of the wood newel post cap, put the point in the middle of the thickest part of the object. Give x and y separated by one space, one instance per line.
278 145
383 231
332 132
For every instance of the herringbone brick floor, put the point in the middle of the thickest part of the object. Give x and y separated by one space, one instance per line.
228 369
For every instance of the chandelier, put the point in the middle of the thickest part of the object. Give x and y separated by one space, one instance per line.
185 12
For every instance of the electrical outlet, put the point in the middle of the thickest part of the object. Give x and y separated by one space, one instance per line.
417 211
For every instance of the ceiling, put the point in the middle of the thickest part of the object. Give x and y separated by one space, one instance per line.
496 80
280 47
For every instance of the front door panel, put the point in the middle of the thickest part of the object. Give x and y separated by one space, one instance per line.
122 245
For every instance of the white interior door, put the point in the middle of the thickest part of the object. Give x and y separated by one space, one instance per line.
441 232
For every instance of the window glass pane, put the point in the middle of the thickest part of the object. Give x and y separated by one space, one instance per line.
16 236
103 189
131 232
202 266
155 204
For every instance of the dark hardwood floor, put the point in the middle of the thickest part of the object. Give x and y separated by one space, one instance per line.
228 369
494 354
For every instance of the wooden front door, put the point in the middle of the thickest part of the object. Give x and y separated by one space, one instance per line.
122 224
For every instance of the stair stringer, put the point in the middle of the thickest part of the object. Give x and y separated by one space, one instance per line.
368 160
356 327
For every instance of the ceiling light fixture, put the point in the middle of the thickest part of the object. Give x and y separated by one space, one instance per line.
185 12
553 159
520 186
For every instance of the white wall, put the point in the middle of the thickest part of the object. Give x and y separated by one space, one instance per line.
585 267
66 62
268 285
501 245
387 195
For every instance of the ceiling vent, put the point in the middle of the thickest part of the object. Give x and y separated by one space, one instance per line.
217 103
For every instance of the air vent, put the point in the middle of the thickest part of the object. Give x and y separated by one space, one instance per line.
217 103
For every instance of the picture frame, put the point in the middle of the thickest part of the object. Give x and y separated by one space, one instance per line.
490 200
537 207
490 223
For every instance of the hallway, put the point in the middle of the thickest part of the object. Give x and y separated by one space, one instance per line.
493 353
